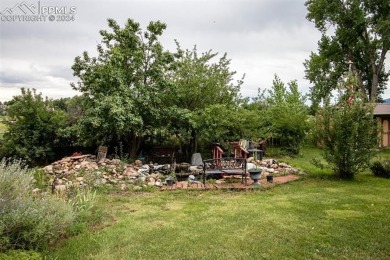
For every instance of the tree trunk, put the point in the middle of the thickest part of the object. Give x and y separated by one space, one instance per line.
376 70
134 145
374 87
360 81
193 143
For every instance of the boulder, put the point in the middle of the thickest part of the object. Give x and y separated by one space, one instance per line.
264 163
115 161
155 175
143 171
284 165
195 169
138 163
130 171
196 159
48 169
151 179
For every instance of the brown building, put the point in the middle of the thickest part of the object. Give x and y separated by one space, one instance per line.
382 113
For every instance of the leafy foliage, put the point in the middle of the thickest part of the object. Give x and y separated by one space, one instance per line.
287 115
381 168
134 90
353 31
348 131
124 86
28 222
204 101
33 133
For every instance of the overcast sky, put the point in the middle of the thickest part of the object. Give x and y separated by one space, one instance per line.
262 38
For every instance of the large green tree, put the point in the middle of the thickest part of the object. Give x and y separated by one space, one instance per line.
124 86
286 115
204 101
354 32
33 131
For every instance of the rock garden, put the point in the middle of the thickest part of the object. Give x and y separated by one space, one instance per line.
85 170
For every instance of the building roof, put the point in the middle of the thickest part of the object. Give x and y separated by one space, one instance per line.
382 109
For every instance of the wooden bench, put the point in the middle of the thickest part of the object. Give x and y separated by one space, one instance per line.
224 166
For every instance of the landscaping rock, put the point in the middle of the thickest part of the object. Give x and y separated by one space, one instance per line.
143 171
130 171
195 169
284 165
138 163
48 169
83 170
196 159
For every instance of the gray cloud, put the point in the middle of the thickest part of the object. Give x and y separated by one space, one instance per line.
262 37
7 78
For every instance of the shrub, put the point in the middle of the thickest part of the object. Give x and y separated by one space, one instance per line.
35 223
28 222
381 168
14 181
348 132
35 132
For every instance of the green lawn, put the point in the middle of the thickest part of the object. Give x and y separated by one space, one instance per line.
313 218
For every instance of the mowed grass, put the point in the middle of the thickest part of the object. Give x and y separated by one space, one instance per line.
312 218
